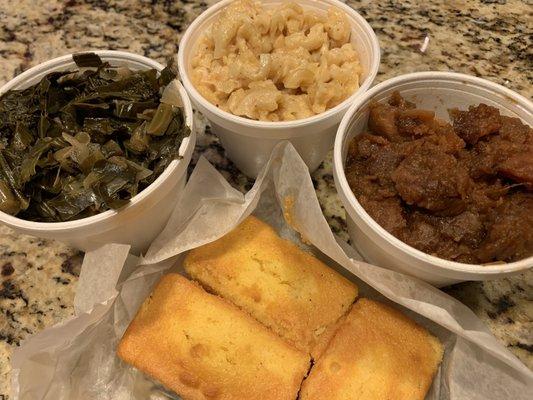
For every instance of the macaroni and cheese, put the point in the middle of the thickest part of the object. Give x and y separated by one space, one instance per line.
276 64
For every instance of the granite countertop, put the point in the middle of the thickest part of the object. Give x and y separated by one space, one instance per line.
488 38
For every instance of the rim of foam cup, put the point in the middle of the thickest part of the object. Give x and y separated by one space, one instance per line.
354 18
353 204
110 55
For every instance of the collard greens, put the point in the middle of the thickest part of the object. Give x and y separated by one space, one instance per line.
85 141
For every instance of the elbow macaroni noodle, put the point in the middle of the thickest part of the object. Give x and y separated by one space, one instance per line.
277 64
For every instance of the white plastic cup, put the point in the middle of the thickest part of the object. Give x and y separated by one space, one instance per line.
145 216
438 91
248 143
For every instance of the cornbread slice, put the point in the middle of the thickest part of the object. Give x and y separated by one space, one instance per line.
205 348
285 288
377 354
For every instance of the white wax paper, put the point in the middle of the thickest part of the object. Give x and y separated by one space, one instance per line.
76 360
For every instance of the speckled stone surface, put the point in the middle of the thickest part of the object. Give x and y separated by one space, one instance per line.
488 38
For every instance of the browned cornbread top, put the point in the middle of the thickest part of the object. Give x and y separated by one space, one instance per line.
377 354
204 348
282 286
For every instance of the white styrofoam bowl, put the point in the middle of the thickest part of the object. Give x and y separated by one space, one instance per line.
248 143
140 221
438 91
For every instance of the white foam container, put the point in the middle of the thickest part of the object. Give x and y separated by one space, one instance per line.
438 91
137 223
248 143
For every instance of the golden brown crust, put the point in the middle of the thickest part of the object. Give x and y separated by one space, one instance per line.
204 348
377 353
282 286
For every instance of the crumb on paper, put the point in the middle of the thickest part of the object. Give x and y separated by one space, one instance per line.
288 214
